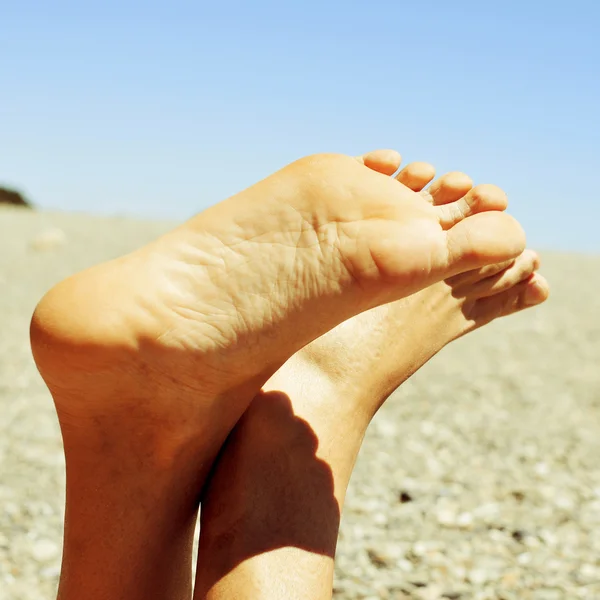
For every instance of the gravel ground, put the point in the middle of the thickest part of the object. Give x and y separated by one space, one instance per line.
479 479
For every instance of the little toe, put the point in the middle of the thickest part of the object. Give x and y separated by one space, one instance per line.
416 175
382 161
449 188
479 199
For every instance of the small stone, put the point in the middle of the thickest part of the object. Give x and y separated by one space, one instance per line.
380 518
405 565
428 428
532 541
464 520
588 574
12 509
519 535
518 495
9 578
510 580
478 576
459 572
378 559
44 550
49 240
386 429
419 548
549 538
432 592
589 570
564 503
405 497
487 511
51 572
446 517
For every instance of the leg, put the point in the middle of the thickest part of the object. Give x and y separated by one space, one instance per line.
271 512
152 358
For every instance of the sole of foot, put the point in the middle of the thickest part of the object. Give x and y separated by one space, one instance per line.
153 357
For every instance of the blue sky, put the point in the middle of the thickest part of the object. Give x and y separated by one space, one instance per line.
160 110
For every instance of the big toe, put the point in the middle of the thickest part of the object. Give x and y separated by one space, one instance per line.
483 239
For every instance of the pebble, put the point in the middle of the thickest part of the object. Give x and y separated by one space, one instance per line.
49 240
44 550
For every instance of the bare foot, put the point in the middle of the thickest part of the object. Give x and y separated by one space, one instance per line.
249 281
271 514
427 320
153 357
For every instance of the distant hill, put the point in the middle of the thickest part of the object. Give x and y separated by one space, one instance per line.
13 198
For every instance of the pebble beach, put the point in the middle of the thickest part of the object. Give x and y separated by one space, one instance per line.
478 480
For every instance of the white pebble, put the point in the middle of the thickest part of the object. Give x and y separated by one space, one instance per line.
428 428
49 240
524 558
478 576
446 517
44 550
464 520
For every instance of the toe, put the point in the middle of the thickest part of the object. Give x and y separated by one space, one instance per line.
449 188
520 270
382 161
416 175
536 291
526 294
478 200
466 279
483 239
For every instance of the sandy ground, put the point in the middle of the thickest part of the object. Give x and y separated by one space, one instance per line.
480 478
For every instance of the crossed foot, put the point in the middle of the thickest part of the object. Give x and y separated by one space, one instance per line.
271 515
153 358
